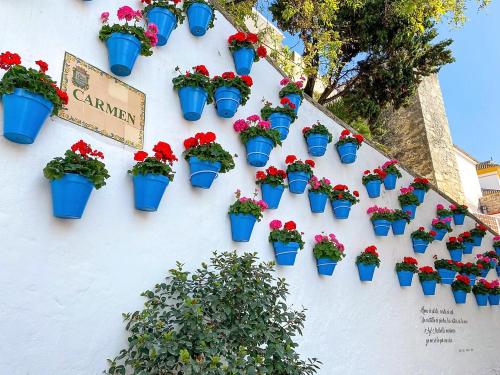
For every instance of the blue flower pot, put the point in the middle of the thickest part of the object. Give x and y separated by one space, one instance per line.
199 16
460 296
193 100
285 253
468 247
203 173
272 195
243 60
445 216
478 240
494 299
472 278
458 219
498 270
429 287
440 233
242 226
405 278
166 22
484 272
23 115
381 227
497 249
456 255
258 151
227 101
281 123
297 182
316 144
398 227
366 271
347 152
390 181
326 266
341 208
447 276
123 50
317 201
481 299
148 191
420 193
70 195
295 99
373 188
419 246
411 208
493 264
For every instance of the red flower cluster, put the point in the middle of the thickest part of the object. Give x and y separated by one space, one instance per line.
262 52
200 139
346 133
247 80
201 69
228 75
290 225
481 227
7 59
306 129
463 279
140 155
410 260
243 37
371 250
290 159
164 153
426 269
271 171
42 65
421 180
286 102
455 239
85 150
63 95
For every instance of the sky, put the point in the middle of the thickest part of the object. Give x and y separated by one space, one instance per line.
470 85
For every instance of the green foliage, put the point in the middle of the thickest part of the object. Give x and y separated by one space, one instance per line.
429 276
455 245
368 258
392 169
446 264
461 285
211 152
235 82
444 212
133 30
327 249
228 317
286 236
480 288
291 88
187 3
477 232
403 266
247 206
400 215
343 195
371 177
459 209
259 131
268 110
317 128
471 269
299 166
153 166
422 235
33 81
88 167
166 4
194 79
408 199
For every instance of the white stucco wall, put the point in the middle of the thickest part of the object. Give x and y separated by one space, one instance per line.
64 284
490 181
469 178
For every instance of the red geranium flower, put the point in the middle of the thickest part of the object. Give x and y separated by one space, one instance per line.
210 137
310 163
272 171
290 225
355 193
43 65
228 75
290 159
345 133
252 38
201 69
140 155
190 142
410 260
432 233
240 36
306 129
260 175
359 138
248 80
63 95
262 52
7 59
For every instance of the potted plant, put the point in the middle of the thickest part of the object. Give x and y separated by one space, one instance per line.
392 173
193 89
206 159
405 270
447 269
165 14
29 96
461 287
366 262
496 244
420 186
151 176
126 42
471 270
408 201
317 138
259 139
494 258
478 233
459 211
229 92
342 200
456 247
494 294
441 227
421 239
272 185
243 214
381 219
328 251
484 264
293 91
280 117
428 279
200 15
318 193
73 177
443 212
299 172
467 241
286 241
481 291
348 145
373 181
399 220
243 47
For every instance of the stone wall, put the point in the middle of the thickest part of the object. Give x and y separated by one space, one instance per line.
492 203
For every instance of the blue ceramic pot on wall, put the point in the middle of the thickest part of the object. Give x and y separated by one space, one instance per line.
366 271
199 16
373 188
203 172
193 100
242 226
341 208
227 101
317 201
325 266
166 22
296 100
405 278
281 123
316 144
390 181
297 182
148 191
285 253
347 152
258 151
243 60
123 50
70 195
419 246
271 195
429 287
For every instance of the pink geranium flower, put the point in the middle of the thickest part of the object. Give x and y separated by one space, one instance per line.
125 13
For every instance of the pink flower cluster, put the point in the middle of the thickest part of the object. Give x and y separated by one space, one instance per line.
275 224
439 207
496 238
242 125
300 84
330 238
316 184
490 284
486 258
379 210
389 163
263 205
128 14
408 190
445 220
152 34
453 207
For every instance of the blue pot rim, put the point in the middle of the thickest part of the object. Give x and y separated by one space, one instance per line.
279 187
196 88
261 138
194 159
347 144
129 37
278 114
242 215
165 11
18 91
75 177
153 176
227 88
